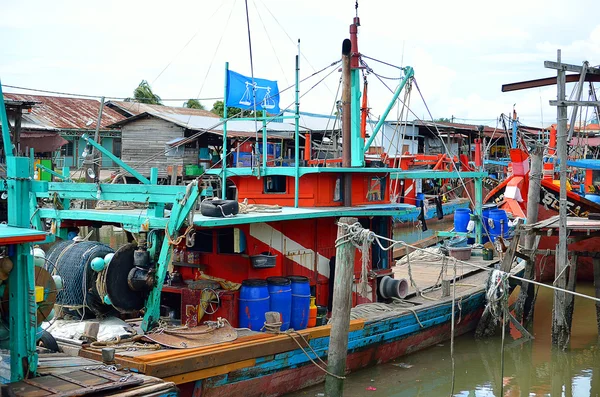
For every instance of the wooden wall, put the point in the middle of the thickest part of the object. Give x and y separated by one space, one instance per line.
147 137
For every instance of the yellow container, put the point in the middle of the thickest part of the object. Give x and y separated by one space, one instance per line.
39 294
312 313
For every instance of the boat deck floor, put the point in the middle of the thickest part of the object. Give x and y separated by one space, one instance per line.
60 374
187 365
427 275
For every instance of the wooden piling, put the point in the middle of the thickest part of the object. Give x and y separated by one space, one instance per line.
340 314
560 327
533 199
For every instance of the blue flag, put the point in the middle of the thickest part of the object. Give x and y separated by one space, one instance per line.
241 93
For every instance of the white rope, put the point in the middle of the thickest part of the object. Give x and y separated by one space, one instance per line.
362 239
378 239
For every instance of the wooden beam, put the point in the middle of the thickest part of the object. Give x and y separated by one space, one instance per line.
209 372
522 85
574 103
565 67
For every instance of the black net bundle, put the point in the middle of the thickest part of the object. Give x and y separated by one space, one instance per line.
71 260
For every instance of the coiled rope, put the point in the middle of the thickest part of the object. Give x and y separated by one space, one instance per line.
361 239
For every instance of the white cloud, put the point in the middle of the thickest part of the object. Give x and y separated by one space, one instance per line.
462 51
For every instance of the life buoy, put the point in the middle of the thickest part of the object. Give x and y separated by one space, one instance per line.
219 208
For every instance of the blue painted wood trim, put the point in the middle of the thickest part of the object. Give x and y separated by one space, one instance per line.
375 333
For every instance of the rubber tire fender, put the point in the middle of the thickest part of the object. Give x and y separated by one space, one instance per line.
48 341
212 208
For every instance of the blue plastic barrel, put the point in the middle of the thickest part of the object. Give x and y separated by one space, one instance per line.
500 222
254 303
485 215
461 219
280 291
300 302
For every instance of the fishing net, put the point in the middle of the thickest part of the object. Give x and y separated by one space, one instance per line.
71 260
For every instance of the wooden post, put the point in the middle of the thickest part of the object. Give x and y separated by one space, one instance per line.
533 195
560 327
174 175
340 314
346 121
91 161
533 198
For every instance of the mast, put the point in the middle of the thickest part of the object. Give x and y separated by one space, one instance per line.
347 121
357 141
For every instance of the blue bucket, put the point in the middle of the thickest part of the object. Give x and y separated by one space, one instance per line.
462 216
300 302
419 199
500 221
485 215
280 291
254 303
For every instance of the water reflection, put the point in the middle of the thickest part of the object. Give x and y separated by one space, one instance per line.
531 368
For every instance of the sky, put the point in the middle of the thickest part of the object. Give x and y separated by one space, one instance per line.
462 51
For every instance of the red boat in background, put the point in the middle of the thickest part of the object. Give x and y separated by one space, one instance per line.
511 195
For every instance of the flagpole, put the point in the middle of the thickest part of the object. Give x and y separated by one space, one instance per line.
297 133
224 152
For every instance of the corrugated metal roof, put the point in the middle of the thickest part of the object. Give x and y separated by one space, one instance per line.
237 128
64 112
135 108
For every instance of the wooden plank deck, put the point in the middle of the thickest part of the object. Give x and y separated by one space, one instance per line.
429 274
60 374
180 365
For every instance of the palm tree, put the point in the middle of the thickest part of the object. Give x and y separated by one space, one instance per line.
143 93
193 104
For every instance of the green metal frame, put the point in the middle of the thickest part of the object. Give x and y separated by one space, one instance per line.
357 142
117 160
21 305
408 74
179 214
52 172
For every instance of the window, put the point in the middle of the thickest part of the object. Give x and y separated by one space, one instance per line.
376 190
203 242
117 147
337 191
67 149
231 240
275 184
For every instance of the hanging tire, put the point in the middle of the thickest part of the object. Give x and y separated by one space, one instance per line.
47 340
219 208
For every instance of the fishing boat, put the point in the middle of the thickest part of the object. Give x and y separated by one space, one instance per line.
580 202
205 273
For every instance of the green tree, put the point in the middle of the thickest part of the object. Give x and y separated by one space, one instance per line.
442 120
218 107
143 93
193 104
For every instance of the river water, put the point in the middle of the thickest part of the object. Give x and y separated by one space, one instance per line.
531 367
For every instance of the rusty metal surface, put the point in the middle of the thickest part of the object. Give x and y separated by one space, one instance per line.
52 112
194 337
135 108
